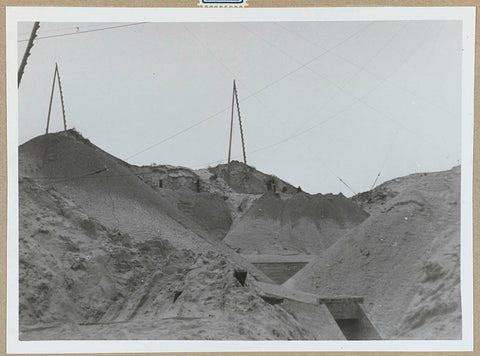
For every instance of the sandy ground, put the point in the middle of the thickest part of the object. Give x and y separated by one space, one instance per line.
80 280
404 259
301 223
113 251
92 253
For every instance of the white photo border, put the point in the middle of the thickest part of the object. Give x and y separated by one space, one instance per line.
103 14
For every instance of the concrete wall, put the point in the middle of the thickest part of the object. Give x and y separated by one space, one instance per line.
353 320
369 330
315 318
167 177
345 308
279 272
331 318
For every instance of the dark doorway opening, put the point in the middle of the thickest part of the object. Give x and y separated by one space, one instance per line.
351 329
241 276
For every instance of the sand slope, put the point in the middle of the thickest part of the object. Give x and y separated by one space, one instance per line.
404 259
107 251
301 222
112 194
82 280
116 197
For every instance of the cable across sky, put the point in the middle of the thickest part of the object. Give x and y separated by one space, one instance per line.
290 58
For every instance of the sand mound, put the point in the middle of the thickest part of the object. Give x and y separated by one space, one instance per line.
119 200
300 222
194 196
238 185
108 188
403 259
104 244
245 179
82 280
71 266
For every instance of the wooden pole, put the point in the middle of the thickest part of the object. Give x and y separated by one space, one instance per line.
23 64
51 98
231 124
240 124
61 99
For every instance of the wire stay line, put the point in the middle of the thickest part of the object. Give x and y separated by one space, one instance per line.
360 100
87 31
394 84
383 114
248 96
62 29
286 139
361 68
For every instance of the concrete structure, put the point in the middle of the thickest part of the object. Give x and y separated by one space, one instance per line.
314 317
334 318
279 267
351 317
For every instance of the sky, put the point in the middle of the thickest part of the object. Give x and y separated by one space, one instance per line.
324 105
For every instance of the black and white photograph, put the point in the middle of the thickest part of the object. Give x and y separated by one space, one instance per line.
273 176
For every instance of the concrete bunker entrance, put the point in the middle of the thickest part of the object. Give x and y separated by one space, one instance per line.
350 328
351 318
334 318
